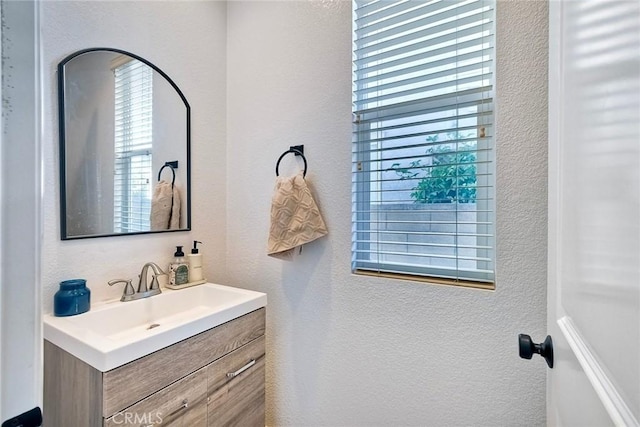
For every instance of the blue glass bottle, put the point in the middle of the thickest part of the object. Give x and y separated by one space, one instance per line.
72 298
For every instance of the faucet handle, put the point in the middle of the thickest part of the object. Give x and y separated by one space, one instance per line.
155 283
128 288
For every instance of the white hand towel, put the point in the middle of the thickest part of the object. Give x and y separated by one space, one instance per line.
165 207
295 217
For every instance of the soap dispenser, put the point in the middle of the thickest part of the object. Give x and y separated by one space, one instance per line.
178 269
195 265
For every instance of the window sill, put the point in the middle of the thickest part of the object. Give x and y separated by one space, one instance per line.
487 286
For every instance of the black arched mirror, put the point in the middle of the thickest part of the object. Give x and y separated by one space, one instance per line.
124 147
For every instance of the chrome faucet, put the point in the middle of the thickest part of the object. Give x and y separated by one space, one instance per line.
142 282
143 290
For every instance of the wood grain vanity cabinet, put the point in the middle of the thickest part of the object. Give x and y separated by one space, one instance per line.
215 378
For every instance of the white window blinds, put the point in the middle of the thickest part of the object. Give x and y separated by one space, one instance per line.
133 144
423 181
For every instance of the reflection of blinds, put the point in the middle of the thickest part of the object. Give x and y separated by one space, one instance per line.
133 143
423 158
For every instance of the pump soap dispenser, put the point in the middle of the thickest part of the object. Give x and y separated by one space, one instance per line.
196 276
178 270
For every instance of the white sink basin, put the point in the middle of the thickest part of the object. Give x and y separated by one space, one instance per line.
115 333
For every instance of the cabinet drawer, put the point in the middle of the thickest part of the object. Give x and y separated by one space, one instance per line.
125 385
238 400
183 403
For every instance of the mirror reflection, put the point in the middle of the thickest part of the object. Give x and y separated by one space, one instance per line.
124 146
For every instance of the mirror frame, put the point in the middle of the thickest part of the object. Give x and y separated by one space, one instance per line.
62 148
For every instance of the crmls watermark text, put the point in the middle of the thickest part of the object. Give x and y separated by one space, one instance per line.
135 418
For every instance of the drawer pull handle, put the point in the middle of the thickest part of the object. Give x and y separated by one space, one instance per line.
241 370
185 404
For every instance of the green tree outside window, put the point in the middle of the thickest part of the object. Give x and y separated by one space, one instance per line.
451 176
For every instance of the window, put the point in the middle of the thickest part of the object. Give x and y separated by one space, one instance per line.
423 161
133 145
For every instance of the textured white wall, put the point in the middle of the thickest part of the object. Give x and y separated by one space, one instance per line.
351 350
187 40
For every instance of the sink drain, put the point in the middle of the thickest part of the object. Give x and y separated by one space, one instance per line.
153 325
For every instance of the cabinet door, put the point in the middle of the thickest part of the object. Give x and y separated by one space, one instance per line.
236 387
182 404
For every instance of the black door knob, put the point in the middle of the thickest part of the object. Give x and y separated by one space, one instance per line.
528 348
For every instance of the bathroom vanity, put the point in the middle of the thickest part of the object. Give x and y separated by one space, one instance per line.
212 378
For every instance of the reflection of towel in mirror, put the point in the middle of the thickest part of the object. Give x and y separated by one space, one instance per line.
295 217
165 207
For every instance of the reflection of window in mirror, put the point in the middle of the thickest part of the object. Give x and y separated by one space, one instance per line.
133 145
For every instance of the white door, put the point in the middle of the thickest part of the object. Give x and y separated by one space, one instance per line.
20 231
594 213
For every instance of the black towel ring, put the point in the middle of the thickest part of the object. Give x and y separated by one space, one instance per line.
173 171
297 153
